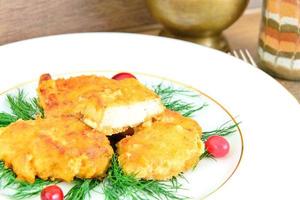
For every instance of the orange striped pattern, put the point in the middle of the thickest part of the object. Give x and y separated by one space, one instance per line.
283 36
288 42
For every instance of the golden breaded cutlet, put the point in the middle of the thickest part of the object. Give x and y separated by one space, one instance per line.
110 106
54 148
162 147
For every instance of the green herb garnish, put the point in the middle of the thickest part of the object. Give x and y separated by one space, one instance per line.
82 188
25 190
6 119
7 176
206 155
225 129
170 98
118 185
21 108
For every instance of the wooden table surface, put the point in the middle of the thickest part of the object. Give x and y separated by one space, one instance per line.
242 35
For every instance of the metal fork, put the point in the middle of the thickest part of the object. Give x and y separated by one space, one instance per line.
243 55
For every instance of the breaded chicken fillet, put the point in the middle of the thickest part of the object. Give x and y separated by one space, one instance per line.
54 148
110 106
162 147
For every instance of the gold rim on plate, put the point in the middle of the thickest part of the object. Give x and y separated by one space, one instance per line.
169 80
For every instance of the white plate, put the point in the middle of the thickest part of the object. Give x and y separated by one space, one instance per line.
270 115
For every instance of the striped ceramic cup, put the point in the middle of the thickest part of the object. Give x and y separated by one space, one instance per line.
279 41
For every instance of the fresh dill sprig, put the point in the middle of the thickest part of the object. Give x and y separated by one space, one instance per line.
168 91
225 129
23 107
25 190
118 185
206 155
7 176
168 96
82 189
22 188
6 119
186 109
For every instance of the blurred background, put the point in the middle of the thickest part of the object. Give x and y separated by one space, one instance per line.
255 3
24 19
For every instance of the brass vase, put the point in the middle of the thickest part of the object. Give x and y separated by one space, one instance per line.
199 21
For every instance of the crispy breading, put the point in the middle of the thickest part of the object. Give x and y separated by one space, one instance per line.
110 106
54 148
162 147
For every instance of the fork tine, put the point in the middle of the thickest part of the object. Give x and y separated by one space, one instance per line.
243 56
235 54
250 58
